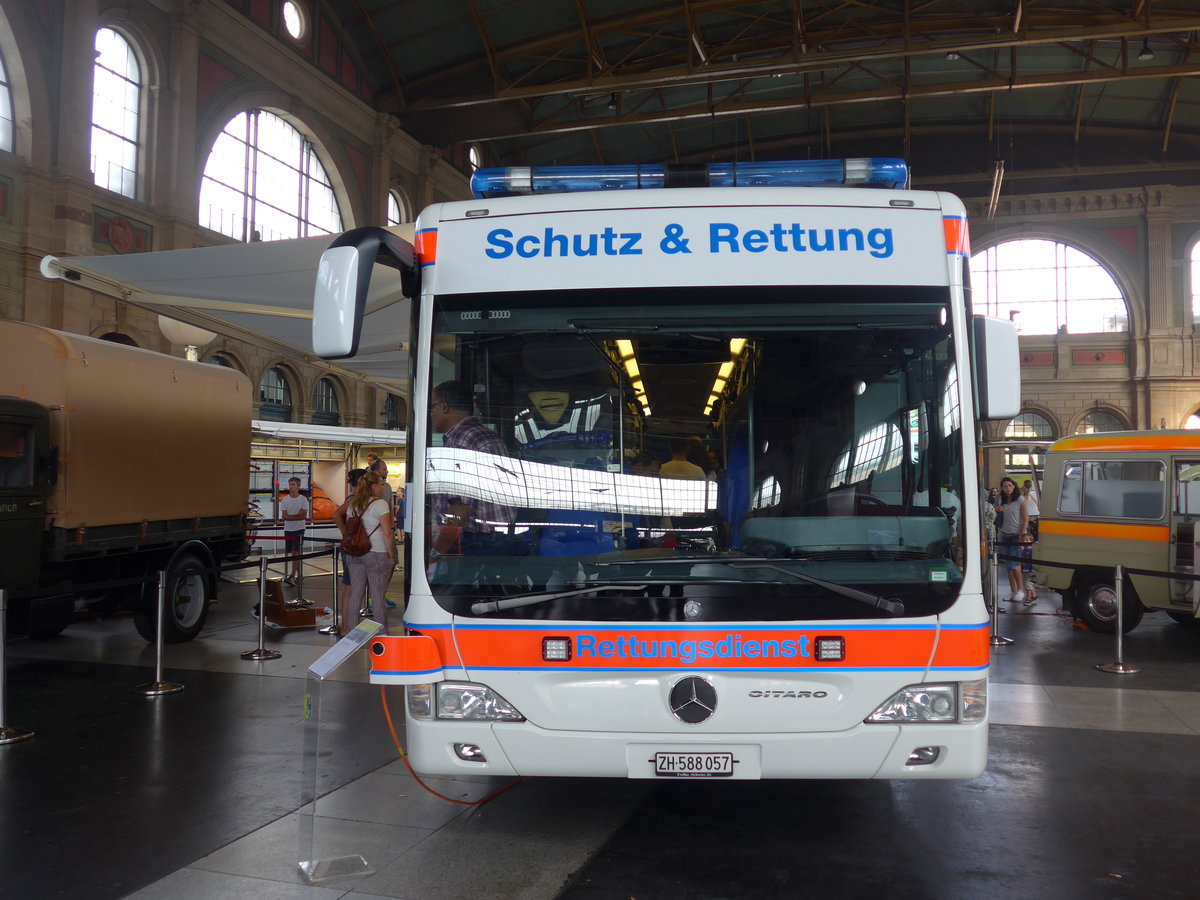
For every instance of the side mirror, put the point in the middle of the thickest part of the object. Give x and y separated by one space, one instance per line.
344 280
997 358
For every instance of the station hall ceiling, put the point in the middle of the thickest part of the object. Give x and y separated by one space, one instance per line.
1066 93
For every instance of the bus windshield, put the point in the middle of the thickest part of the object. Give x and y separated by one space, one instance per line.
723 454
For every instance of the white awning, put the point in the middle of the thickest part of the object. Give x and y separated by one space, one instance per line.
370 437
260 292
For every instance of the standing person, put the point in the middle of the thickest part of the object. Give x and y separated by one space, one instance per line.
294 509
480 525
1031 506
371 572
379 467
1014 522
376 465
344 599
678 466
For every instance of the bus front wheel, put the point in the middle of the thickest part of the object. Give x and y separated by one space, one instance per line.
1096 607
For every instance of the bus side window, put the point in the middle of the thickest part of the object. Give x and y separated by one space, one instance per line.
1124 489
1069 492
1187 488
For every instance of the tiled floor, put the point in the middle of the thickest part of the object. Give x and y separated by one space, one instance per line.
197 795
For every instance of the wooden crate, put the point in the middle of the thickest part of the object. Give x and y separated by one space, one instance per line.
281 614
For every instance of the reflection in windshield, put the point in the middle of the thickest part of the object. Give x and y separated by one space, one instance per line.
821 436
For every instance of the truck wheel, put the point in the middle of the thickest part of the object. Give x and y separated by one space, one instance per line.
1096 607
187 598
47 619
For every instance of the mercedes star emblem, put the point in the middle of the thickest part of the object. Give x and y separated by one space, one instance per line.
693 700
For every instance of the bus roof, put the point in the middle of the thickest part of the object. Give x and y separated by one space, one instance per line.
1130 441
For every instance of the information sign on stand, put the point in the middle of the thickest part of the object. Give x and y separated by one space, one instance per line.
313 869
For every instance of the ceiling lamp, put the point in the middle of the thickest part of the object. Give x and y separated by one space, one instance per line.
1145 53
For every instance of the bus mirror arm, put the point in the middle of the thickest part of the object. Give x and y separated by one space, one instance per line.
378 245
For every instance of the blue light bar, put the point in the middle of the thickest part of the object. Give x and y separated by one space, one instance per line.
870 172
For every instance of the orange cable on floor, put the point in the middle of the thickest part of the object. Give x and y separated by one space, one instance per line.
387 713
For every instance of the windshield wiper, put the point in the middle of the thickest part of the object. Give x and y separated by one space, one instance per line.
546 596
891 607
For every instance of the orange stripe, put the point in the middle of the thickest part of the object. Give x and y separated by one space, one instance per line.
426 246
407 653
882 648
958 239
1160 533
1129 442
959 649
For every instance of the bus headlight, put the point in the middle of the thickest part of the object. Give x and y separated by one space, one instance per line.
934 703
460 700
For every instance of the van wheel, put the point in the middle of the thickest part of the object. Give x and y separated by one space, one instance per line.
1096 607
1186 619
188 594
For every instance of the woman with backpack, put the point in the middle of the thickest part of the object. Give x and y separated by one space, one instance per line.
365 512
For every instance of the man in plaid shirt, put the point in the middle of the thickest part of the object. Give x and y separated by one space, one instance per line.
479 523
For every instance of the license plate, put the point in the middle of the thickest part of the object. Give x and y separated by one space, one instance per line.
693 765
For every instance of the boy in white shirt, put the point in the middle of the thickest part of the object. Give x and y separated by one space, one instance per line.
294 510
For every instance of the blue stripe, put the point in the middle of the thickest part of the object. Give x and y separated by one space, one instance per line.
688 626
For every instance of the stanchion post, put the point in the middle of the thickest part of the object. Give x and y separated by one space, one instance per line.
260 652
335 590
8 734
996 639
300 601
1119 667
158 686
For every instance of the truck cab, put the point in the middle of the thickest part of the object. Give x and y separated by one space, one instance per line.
24 482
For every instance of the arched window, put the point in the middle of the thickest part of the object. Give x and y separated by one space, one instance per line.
474 157
7 130
118 337
219 359
1099 420
1028 426
275 396
1047 287
116 113
326 408
397 209
1195 278
395 412
1193 422
263 182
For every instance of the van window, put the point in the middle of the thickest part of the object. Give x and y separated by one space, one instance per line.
1187 488
1119 489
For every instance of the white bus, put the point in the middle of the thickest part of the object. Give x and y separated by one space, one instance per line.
797 592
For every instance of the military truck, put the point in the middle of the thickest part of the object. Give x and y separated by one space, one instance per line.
116 463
